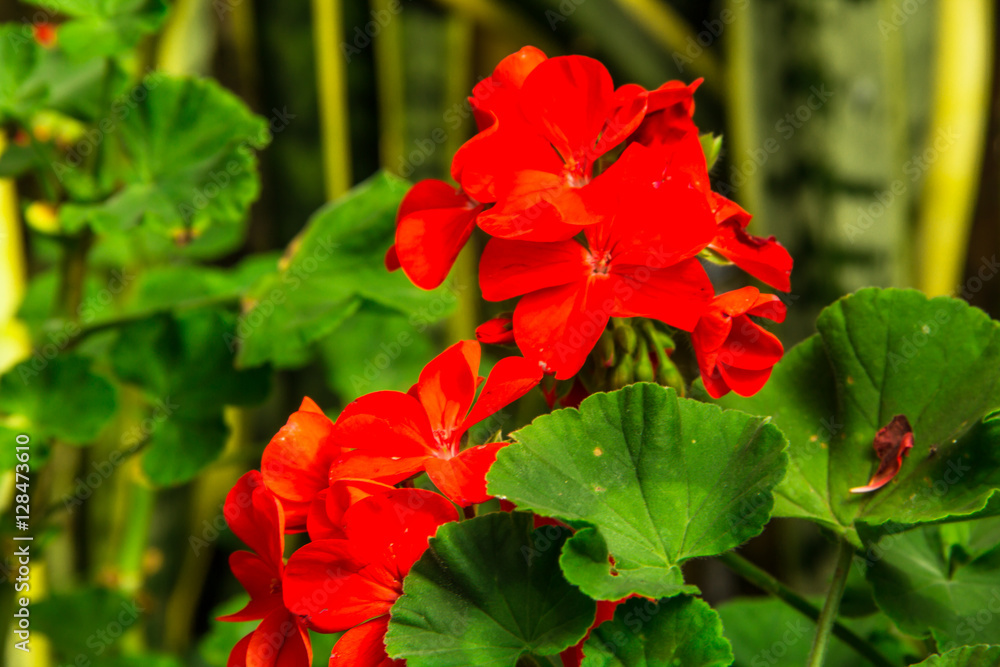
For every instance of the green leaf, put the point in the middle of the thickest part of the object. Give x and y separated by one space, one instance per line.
374 351
188 162
943 580
84 621
880 353
19 55
966 656
766 631
680 631
651 479
330 271
58 398
104 27
487 592
185 364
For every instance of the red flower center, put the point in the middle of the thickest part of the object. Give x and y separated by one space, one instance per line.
600 264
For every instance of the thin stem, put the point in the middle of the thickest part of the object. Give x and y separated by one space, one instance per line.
332 88
769 584
390 83
832 605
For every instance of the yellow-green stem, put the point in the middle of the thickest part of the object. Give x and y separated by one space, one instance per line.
331 73
827 617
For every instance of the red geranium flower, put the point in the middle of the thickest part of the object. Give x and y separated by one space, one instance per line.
763 258
350 584
502 126
573 115
395 435
296 463
433 224
326 514
281 640
734 352
635 264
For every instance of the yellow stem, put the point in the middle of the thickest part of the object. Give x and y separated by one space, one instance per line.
955 144
14 340
332 88
390 75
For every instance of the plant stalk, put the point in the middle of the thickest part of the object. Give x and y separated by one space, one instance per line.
769 584
828 616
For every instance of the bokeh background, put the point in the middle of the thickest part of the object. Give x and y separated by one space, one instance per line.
864 134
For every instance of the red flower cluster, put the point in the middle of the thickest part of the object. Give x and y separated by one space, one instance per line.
334 479
598 203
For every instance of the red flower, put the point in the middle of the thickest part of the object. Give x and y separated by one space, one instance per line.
433 224
281 639
572 116
498 331
350 584
635 264
892 442
573 656
326 514
733 351
669 115
763 258
396 435
296 462
45 34
497 110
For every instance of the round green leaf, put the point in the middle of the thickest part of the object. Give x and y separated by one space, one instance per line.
57 398
330 271
941 579
880 353
680 631
651 480
187 161
967 656
487 592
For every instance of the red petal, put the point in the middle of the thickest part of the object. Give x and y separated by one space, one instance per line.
512 268
568 99
743 381
629 108
258 577
447 385
433 224
764 259
364 646
536 205
279 641
238 656
750 347
256 517
510 379
892 442
559 326
296 461
342 494
319 525
384 423
391 530
377 468
498 331
463 478
677 295
391 258
309 405
325 583
726 210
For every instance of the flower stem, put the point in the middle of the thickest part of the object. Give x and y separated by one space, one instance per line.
769 584
332 86
829 614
